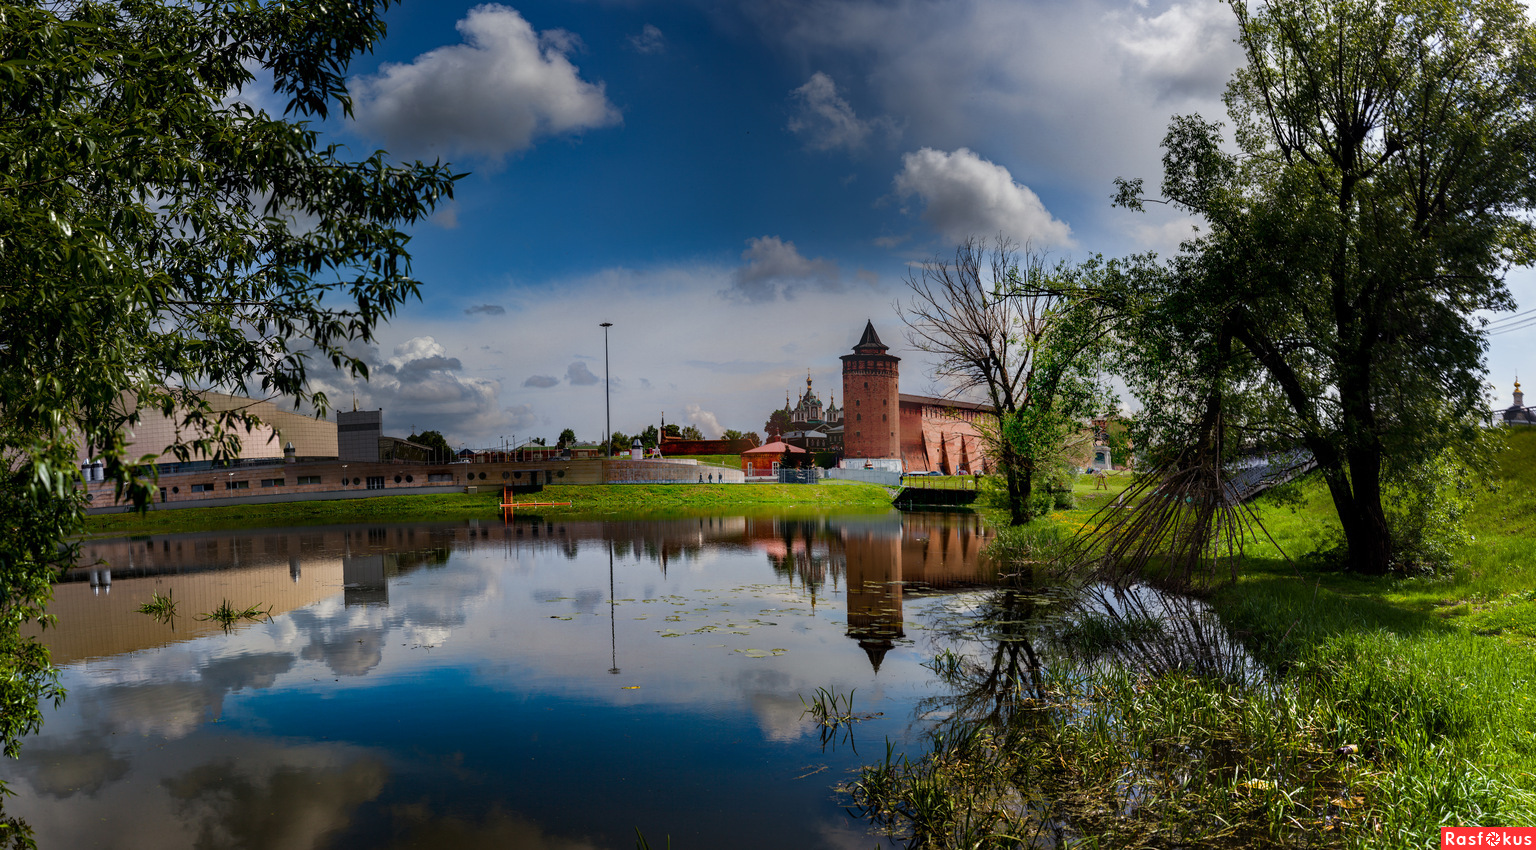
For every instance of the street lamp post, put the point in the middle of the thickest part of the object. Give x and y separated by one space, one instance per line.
607 404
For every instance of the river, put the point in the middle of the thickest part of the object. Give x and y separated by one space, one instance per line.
539 684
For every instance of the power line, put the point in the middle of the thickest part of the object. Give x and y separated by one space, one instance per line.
1512 317
1522 325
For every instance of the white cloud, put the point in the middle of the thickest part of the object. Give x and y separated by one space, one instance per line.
1185 51
826 121
775 267
649 40
422 386
1070 95
966 196
705 422
446 215
497 93
542 382
487 309
580 376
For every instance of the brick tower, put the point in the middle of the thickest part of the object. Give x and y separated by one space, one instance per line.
871 425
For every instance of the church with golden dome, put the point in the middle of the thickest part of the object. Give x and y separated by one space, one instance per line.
1518 413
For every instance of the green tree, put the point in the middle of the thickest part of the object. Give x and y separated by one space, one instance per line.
691 432
1026 335
778 424
618 442
157 236
650 437
674 432
434 440
567 439
1375 196
732 434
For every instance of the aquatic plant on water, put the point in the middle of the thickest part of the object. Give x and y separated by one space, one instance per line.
162 608
226 615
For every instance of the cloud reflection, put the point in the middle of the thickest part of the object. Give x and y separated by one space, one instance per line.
283 806
420 828
83 765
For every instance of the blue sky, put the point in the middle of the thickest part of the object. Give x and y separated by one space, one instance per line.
738 184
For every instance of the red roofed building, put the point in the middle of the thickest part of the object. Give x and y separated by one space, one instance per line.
766 459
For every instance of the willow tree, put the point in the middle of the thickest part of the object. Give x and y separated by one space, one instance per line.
1022 333
158 234
1370 199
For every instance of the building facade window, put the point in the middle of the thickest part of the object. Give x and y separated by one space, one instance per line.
308 479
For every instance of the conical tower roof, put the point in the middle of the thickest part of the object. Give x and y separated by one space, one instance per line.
876 650
870 339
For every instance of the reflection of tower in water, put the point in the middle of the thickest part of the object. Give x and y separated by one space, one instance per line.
873 576
804 551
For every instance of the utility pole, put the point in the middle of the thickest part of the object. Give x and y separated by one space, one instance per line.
607 403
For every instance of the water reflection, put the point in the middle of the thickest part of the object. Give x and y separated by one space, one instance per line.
484 683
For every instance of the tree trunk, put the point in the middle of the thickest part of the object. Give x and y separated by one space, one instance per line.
1018 491
1365 529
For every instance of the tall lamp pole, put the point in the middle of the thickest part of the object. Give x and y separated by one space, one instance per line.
607 405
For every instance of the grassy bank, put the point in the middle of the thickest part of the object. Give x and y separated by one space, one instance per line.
597 501
1381 709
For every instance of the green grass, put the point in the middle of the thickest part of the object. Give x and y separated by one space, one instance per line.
731 461
1388 707
647 500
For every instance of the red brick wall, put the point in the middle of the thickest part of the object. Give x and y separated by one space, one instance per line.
913 453
871 411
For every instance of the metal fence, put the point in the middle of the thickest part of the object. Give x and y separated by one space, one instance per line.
799 476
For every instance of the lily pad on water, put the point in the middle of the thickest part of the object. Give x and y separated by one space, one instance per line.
760 653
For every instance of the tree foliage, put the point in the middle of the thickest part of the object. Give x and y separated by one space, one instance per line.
650 437
1373 200
160 236
1023 333
434 440
777 424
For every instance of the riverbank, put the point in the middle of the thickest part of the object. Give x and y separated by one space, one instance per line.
1362 712
597 500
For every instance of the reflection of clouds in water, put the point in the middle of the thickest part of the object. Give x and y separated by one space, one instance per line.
246 671
172 691
586 600
351 641
420 829
775 703
83 764
345 654
205 790
781 717
230 803
173 709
